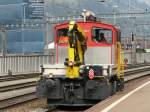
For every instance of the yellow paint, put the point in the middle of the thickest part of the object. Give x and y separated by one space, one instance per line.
73 71
120 61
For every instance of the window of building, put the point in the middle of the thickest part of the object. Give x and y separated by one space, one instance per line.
100 35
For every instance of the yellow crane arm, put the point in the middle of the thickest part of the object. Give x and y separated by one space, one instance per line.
76 48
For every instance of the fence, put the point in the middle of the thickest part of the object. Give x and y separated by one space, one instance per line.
23 64
140 57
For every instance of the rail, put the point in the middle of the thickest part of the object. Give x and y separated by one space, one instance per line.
23 64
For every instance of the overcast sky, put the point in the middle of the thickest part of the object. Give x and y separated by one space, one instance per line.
145 1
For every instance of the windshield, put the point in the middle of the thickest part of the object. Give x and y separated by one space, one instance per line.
62 37
100 35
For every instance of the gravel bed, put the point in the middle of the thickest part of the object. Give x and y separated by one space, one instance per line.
37 105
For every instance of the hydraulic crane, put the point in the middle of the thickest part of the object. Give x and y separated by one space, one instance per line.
76 47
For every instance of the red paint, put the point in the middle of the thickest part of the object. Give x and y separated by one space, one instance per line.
91 74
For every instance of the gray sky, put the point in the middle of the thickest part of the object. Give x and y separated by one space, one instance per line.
145 1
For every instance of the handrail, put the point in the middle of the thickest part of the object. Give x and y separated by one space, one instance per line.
120 62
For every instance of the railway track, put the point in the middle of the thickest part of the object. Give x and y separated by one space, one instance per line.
17 100
17 91
23 91
17 77
130 66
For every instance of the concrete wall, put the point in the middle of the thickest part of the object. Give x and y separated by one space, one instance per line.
140 57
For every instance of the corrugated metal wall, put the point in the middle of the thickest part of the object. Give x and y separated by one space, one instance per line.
23 64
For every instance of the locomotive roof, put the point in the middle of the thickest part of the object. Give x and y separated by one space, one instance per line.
88 22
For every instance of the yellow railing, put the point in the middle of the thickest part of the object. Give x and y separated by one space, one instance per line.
120 61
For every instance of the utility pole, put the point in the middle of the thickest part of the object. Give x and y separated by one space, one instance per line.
4 42
24 12
133 53
46 31
46 27
129 3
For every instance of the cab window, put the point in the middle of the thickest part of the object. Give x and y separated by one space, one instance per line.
100 35
62 37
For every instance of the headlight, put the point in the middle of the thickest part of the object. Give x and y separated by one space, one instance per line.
50 75
70 63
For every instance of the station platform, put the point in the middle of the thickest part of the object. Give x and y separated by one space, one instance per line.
137 100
